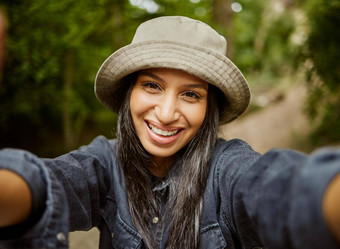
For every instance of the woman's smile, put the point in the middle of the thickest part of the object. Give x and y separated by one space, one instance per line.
162 135
168 107
165 133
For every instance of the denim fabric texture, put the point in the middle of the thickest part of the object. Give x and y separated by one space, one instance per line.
251 200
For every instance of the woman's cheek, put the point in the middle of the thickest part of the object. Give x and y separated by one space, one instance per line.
197 112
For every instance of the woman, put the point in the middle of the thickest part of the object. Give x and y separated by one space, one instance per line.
167 181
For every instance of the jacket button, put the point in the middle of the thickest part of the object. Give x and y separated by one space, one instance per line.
155 220
61 237
112 234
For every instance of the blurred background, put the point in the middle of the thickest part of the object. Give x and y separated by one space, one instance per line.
288 50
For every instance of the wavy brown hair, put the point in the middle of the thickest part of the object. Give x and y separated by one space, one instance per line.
187 176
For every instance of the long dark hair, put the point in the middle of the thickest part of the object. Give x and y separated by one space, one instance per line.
187 181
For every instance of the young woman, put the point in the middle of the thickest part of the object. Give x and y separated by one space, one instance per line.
167 181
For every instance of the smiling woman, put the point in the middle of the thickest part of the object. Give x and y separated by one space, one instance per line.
168 107
167 181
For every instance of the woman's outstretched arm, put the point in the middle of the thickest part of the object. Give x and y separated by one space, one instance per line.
52 196
15 199
331 207
290 199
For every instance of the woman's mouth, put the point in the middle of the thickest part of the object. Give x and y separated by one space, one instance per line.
162 132
162 136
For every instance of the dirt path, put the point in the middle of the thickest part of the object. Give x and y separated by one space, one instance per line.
273 126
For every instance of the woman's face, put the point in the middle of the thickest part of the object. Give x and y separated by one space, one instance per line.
168 107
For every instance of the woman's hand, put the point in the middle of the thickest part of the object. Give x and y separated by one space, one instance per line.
331 207
15 199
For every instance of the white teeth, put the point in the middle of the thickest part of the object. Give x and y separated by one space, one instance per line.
161 132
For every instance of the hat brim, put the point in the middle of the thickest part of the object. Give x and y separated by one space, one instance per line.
205 64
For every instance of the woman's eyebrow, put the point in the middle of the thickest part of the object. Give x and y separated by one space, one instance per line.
154 76
189 85
201 86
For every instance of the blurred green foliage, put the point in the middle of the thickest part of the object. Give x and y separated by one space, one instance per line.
322 53
54 49
264 39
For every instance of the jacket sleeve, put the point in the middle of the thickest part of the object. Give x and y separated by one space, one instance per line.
280 197
74 186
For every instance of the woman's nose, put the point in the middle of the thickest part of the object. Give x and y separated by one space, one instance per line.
167 109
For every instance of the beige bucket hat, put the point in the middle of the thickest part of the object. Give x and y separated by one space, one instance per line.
180 43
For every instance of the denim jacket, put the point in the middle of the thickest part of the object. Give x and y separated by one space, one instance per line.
250 201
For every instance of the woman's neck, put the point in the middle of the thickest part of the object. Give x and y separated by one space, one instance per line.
160 166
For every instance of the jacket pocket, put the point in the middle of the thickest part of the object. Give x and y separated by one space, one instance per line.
212 237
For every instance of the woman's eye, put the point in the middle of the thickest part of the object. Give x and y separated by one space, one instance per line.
192 95
151 86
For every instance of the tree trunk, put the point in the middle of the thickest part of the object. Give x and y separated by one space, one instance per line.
222 15
269 14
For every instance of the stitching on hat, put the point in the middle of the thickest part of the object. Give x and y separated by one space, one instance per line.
123 58
220 73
